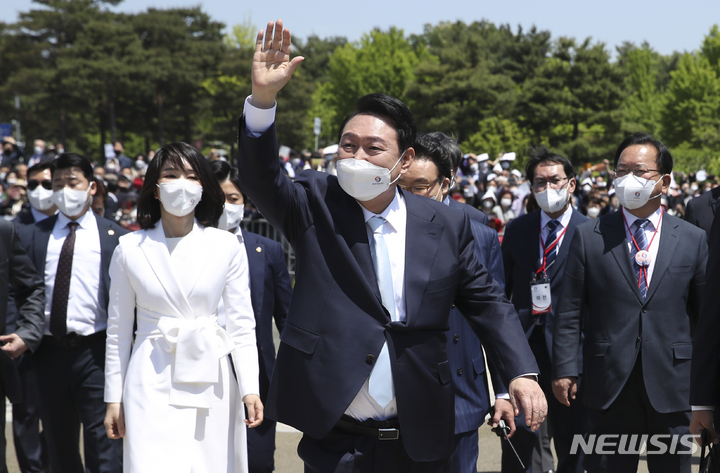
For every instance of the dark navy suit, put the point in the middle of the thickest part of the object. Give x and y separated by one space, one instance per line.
522 257
336 324
636 352
270 290
467 363
700 211
71 379
470 211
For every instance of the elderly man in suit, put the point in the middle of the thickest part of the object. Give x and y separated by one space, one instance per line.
17 272
535 248
430 175
639 273
72 251
362 368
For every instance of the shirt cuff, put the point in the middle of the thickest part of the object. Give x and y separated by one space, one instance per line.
535 375
703 408
505 396
258 120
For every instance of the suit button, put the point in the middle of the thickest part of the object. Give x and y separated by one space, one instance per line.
459 371
456 338
644 310
370 358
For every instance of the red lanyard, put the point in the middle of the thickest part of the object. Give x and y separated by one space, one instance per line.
643 269
547 250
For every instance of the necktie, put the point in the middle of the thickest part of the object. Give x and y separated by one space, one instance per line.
642 243
552 226
381 382
61 291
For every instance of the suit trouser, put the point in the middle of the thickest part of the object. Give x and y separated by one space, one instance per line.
562 424
261 447
341 452
26 421
633 414
72 385
465 452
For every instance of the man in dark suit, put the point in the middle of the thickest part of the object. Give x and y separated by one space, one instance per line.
430 175
18 273
362 368
639 273
270 290
73 250
535 248
700 210
29 444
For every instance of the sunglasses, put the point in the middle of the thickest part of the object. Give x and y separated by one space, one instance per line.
33 183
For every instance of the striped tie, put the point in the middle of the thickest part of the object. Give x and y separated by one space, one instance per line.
642 243
552 226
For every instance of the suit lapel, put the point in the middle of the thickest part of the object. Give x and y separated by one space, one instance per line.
612 228
668 242
575 220
108 242
256 263
420 232
154 247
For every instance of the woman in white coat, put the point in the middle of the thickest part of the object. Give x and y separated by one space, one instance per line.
172 392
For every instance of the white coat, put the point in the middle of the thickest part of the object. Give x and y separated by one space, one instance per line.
183 410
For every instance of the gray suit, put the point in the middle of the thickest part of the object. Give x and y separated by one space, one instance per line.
636 354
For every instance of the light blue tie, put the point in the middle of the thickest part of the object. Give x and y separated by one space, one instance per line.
381 382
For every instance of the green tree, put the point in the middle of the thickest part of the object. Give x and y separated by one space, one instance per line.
498 135
644 102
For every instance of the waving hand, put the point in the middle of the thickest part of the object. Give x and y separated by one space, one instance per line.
272 67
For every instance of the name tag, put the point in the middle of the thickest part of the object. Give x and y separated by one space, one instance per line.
541 297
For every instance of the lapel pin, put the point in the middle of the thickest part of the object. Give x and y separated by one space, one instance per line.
258 249
111 232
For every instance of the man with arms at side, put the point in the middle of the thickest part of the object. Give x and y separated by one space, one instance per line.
429 175
72 251
535 249
362 368
640 274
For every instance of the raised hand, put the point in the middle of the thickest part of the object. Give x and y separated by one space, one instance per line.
272 67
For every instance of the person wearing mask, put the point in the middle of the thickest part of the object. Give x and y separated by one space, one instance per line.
430 175
593 209
39 154
632 287
270 290
503 211
172 393
535 249
362 368
39 194
72 249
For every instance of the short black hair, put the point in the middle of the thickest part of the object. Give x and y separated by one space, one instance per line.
540 154
389 109
40 167
664 159
210 208
69 160
430 148
224 172
451 148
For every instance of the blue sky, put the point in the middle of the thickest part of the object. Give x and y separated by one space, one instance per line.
667 25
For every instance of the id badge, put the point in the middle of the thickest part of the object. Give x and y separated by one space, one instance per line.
541 297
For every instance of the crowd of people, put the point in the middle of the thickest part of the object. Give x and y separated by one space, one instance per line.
141 310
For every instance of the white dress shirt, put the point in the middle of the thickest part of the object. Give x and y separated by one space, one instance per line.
653 243
85 314
564 220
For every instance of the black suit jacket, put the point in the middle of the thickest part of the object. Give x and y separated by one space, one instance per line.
619 326
337 325
522 258
270 290
35 240
18 272
700 211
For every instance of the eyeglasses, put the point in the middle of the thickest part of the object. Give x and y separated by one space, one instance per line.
637 172
420 190
556 183
33 183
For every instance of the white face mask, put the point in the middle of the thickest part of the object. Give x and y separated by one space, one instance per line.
231 216
634 192
587 188
38 150
506 202
552 200
593 212
41 198
487 204
363 180
180 197
71 202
